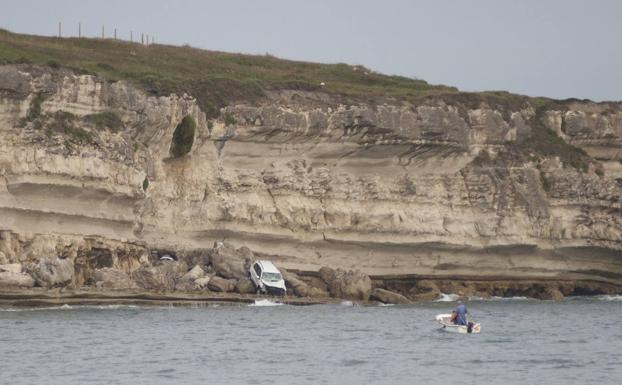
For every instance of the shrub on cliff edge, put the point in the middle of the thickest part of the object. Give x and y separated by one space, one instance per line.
105 120
35 107
183 137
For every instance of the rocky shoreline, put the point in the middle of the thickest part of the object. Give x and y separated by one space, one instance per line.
220 274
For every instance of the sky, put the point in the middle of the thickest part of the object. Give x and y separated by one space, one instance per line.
554 48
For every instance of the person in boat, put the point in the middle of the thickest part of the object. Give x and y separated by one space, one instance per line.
459 316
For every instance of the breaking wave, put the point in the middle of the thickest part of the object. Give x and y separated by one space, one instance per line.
609 297
265 302
448 298
454 297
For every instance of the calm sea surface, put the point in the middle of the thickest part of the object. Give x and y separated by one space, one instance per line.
578 341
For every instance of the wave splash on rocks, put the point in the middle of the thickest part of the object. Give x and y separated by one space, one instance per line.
265 302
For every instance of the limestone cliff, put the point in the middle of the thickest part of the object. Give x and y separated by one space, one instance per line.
441 187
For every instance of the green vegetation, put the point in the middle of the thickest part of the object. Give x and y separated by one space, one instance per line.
216 79
546 143
105 120
211 112
35 107
64 122
546 184
59 121
183 137
79 135
229 119
145 184
53 64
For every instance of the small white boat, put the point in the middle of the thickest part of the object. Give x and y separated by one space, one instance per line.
448 326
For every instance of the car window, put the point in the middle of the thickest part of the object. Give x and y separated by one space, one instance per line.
257 269
271 277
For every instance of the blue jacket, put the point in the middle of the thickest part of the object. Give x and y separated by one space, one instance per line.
462 312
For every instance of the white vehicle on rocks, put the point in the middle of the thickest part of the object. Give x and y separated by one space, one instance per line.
267 278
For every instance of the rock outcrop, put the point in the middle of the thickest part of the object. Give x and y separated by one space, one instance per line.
111 278
245 286
229 262
188 282
52 272
220 284
161 277
302 288
11 275
350 284
389 297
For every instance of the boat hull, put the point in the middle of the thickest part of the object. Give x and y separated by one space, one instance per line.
447 326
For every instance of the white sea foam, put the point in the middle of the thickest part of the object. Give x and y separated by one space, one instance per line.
42 308
70 307
112 306
518 298
609 297
448 298
265 302
346 303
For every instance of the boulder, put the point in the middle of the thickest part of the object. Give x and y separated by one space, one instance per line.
229 262
221 284
555 294
426 291
200 257
316 285
202 283
11 268
15 279
185 285
194 274
327 274
294 284
110 278
245 286
303 288
352 285
52 272
387 296
187 281
160 277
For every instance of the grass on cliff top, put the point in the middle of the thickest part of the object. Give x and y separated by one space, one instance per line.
215 78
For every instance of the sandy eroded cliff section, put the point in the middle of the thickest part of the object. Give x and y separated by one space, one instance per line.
394 189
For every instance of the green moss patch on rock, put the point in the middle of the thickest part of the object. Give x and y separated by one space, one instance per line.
35 107
105 120
183 137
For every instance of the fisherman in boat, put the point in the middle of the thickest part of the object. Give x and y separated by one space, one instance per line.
459 316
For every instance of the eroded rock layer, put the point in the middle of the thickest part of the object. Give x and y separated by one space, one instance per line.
437 189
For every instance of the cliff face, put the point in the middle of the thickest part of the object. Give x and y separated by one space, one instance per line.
438 188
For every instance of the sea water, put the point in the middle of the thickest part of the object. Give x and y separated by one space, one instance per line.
578 341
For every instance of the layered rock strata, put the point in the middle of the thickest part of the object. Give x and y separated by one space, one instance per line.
438 189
